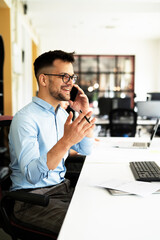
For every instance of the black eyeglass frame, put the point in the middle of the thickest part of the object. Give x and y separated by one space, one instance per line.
73 77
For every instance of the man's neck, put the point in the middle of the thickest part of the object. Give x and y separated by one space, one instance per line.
49 100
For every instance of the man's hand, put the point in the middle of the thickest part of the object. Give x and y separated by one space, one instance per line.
75 131
81 101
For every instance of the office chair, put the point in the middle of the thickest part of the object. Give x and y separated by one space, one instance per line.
5 122
121 102
105 105
14 227
123 122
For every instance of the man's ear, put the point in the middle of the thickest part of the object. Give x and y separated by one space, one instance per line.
42 80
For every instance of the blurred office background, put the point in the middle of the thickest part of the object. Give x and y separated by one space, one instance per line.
117 46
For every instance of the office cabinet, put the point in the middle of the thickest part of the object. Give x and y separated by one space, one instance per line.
110 76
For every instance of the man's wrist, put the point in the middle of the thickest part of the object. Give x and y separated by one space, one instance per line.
65 143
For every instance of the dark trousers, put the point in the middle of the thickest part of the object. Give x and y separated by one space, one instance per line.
52 216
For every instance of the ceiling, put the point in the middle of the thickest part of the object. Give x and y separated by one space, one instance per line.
69 19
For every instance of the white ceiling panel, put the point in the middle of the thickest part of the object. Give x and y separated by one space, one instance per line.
116 18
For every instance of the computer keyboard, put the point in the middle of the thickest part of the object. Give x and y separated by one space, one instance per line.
145 171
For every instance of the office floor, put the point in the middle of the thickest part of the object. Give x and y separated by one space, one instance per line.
4 236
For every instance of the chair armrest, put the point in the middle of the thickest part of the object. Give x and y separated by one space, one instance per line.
32 198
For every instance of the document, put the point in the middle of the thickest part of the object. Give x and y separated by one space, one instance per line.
132 187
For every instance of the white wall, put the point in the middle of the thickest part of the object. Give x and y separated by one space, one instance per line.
22 36
158 65
147 55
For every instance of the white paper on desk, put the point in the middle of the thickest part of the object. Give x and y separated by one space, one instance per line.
134 187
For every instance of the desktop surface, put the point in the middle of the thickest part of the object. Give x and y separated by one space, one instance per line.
96 214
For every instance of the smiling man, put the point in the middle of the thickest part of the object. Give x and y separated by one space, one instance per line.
41 135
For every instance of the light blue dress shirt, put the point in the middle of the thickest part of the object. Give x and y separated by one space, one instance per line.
34 130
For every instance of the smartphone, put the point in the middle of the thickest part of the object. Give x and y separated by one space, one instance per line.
73 93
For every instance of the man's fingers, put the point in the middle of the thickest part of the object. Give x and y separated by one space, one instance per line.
87 125
69 119
79 119
87 117
79 89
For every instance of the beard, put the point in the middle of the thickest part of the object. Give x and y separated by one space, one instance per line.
57 95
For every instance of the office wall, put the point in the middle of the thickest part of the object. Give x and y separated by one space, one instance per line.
146 51
24 49
34 81
20 43
5 31
158 65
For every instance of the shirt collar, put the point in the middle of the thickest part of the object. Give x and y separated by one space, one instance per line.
45 104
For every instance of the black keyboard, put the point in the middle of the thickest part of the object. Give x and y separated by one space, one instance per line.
145 171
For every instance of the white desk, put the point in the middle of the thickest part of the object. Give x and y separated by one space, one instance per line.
94 214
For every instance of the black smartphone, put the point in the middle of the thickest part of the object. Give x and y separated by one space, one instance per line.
73 93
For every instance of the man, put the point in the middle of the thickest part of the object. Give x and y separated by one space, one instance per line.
41 135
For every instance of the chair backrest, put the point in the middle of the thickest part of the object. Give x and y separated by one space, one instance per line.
123 122
5 122
105 105
121 103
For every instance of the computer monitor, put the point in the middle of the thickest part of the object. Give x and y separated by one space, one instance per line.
149 109
153 96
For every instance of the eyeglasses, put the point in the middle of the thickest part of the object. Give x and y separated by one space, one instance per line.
65 77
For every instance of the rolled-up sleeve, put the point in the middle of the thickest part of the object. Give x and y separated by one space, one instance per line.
85 146
37 169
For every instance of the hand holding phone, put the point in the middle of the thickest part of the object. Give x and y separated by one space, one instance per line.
73 95
78 100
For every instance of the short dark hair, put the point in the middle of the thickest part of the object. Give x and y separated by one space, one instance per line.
47 58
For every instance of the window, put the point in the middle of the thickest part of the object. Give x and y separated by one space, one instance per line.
106 76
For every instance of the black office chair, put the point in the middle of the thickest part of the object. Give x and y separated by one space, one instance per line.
121 102
105 105
14 227
5 122
123 122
